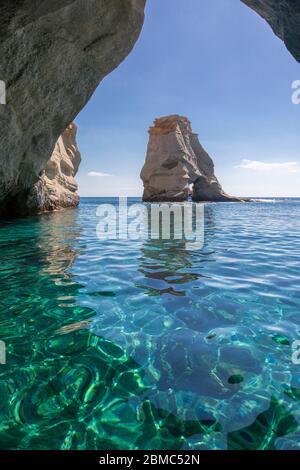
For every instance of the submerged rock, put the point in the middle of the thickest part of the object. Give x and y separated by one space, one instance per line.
54 54
176 161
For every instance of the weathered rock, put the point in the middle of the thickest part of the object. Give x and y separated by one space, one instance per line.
284 18
54 53
57 187
175 161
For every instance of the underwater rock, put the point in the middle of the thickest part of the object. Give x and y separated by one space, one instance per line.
187 363
275 422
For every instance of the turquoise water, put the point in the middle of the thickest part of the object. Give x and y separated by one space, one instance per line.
145 344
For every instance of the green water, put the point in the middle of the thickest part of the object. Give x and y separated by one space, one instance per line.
145 345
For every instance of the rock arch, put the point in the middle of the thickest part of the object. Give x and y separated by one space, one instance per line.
49 77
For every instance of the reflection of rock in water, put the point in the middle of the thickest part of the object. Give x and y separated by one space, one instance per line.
59 232
165 265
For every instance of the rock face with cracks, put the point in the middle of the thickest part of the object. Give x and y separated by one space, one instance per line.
177 165
57 187
284 18
54 53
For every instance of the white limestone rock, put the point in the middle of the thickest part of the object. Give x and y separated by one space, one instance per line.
57 187
176 161
54 54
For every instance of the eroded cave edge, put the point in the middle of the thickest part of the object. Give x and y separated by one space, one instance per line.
53 54
284 18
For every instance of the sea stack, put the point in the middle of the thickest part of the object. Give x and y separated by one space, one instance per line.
177 166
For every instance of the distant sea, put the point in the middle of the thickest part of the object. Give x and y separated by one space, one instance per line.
120 344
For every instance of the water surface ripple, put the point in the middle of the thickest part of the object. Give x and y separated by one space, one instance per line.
147 345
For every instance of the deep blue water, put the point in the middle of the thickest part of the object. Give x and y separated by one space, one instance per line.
146 344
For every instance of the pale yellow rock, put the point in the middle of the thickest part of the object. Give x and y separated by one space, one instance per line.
177 166
57 187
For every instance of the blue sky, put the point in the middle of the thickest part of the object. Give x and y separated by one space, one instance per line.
217 62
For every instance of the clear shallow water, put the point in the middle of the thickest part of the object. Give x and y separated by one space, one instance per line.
146 345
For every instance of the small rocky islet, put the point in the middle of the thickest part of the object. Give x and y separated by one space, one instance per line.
177 167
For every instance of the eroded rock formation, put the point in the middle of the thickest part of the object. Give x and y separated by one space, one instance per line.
57 187
176 161
54 53
284 18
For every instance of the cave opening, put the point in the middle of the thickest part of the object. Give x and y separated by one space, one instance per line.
222 79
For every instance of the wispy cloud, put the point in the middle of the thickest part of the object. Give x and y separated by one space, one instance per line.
98 173
264 166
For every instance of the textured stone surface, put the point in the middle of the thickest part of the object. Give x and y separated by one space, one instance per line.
57 187
54 53
175 161
284 18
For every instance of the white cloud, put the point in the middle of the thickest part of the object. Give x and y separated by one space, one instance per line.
98 173
263 166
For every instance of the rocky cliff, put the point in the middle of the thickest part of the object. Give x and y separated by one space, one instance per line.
177 165
57 187
54 53
284 18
